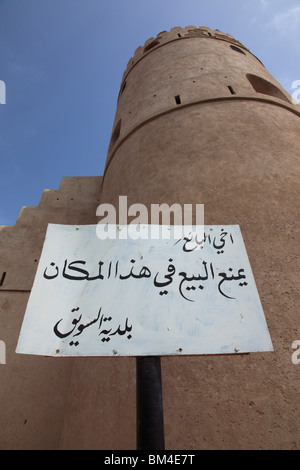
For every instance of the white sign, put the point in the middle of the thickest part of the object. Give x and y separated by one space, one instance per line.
127 297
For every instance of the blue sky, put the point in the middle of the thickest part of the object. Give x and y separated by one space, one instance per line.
62 62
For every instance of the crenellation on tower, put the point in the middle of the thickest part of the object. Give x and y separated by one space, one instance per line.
175 34
178 68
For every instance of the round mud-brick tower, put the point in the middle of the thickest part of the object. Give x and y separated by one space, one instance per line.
200 120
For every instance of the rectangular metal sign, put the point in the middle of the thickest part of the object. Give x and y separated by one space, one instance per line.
187 294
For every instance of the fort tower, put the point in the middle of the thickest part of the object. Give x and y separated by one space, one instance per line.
199 120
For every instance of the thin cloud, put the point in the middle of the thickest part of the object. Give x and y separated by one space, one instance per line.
264 3
287 22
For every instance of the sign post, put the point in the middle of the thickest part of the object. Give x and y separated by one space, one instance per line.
149 404
144 297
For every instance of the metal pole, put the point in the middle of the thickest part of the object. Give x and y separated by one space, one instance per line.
149 406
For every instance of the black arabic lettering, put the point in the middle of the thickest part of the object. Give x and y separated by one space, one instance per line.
99 275
222 244
144 272
130 274
193 278
79 328
219 247
74 322
187 283
82 327
109 270
193 238
119 330
53 276
169 277
83 273
231 278
104 331
79 277
191 242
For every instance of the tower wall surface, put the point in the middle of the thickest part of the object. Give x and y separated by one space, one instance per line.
199 120
230 142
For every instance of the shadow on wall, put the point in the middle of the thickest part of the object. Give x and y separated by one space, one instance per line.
261 85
